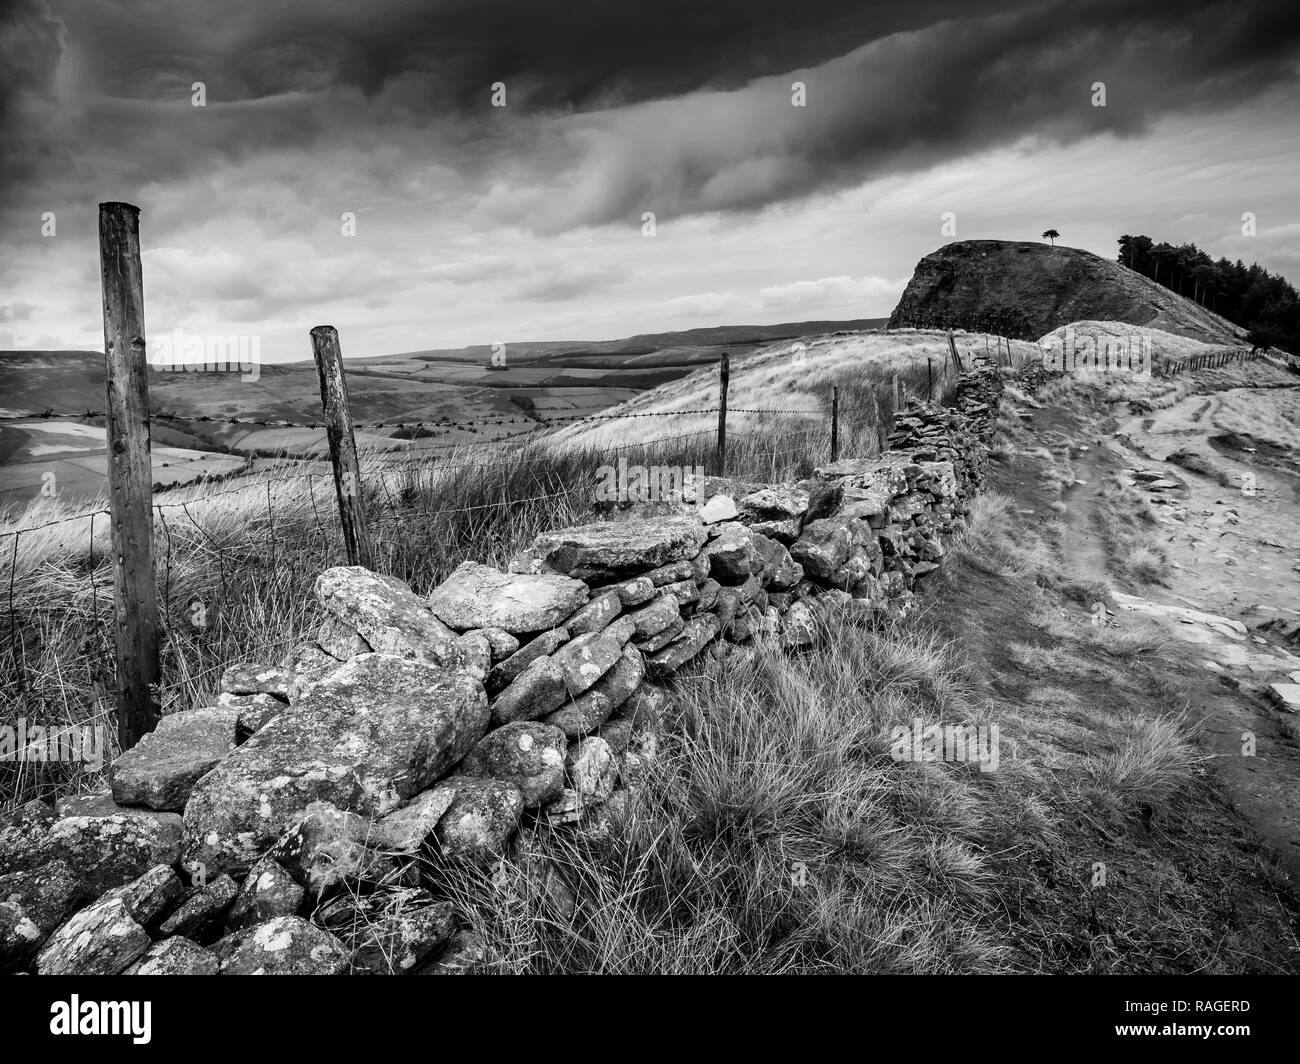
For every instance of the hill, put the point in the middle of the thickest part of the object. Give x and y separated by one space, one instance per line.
1025 289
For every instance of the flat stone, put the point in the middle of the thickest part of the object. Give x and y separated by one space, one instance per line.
592 769
387 614
620 546
585 660
104 851
718 508
774 503
147 896
503 644
475 653
254 712
367 739
249 678
405 830
539 690
656 616
479 596
699 630
161 769
102 939
596 614
267 892
591 708
635 591
402 936
202 910
47 894
286 945
480 820
341 640
822 548
175 956
659 640
325 847
527 754
730 553
540 646
1286 696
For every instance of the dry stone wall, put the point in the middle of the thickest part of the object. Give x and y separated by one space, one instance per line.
528 698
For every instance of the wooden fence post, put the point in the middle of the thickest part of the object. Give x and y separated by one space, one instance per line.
929 379
952 348
835 423
343 446
724 375
130 472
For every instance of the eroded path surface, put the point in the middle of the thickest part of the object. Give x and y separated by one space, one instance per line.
1232 535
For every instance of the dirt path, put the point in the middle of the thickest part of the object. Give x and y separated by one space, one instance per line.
1233 563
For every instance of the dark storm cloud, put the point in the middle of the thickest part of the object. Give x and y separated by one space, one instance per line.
680 106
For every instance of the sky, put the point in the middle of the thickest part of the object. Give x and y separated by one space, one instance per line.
351 165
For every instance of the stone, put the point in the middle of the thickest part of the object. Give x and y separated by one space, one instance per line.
1286 696
33 812
202 910
104 851
586 659
252 712
102 939
480 820
592 769
783 572
527 754
463 955
247 678
591 708
718 508
503 644
672 573
387 614
822 548
479 596
538 690
267 892
784 531
505 673
405 830
619 546
730 553
635 591
175 956
596 614
19 936
708 595
684 591
659 640
367 739
146 897
161 769
308 665
476 654
699 630
398 939
798 626
774 504
340 640
622 630
656 616
324 848
47 894
286 945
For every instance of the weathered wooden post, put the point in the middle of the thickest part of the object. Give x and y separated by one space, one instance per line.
929 377
835 423
343 446
952 348
724 375
130 473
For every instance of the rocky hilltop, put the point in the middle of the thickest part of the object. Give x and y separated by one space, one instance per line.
1024 289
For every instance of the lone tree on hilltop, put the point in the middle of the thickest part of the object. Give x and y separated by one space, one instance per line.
1051 234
